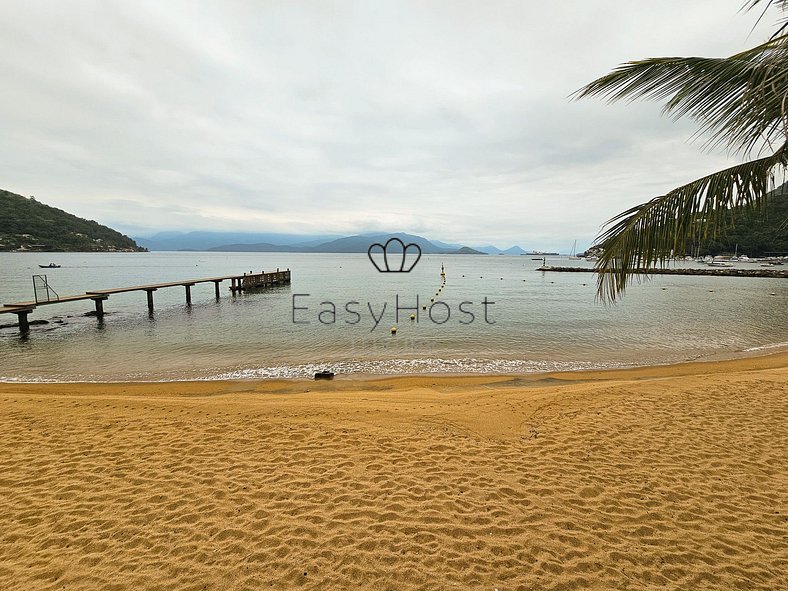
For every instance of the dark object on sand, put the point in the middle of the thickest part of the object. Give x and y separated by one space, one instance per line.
324 375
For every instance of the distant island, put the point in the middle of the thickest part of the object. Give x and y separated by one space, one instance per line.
28 225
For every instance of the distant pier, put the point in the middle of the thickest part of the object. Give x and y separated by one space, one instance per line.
238 283
713 271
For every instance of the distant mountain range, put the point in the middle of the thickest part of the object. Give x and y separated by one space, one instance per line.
209 240
270 242
26 224
358 243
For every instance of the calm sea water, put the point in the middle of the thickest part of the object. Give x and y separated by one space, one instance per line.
534 321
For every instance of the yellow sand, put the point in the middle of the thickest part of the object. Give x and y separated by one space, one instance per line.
670 477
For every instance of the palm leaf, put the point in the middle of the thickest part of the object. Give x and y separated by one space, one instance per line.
651 233
781 4
750 4
739 101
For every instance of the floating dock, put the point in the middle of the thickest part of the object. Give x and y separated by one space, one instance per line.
238 283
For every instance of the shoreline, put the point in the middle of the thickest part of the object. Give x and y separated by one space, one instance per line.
362 376
751 362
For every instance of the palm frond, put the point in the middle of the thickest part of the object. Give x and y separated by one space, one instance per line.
649 234
781 4
740 101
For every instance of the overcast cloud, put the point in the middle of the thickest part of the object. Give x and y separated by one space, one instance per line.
447 119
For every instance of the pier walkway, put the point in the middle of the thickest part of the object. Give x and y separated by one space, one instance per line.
238 283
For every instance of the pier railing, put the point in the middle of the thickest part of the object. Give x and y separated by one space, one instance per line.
259 280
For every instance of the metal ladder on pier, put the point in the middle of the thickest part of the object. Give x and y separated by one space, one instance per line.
43 291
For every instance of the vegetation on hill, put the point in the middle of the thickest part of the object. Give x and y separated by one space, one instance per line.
26 224
756 232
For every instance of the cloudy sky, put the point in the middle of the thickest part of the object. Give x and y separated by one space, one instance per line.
446 119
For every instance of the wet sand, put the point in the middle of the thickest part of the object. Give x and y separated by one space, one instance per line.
668 477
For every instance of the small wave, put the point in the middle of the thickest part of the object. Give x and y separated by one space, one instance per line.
766 347
413 367
359 368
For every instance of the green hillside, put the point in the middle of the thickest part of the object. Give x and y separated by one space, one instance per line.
757 233
26 224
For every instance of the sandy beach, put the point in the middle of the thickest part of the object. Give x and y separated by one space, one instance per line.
668 477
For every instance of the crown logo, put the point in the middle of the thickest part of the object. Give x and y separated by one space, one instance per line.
394 256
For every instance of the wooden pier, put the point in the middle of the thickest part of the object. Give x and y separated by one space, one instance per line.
713 271
238 283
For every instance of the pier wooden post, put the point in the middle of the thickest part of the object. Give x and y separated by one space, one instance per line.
188 287
216 286
99 307
24 325
150 299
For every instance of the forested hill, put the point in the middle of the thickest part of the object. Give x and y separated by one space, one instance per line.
26 224
757 233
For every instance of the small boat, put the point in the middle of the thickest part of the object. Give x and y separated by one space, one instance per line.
718 264
50 266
